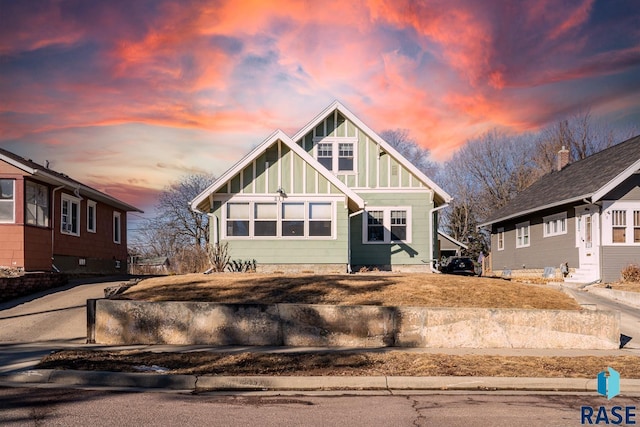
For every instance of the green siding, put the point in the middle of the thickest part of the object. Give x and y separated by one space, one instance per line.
299 251
341 130
372 161
261 176
395 173
331 125
298 168
285 166
406 178
383 175
416 252
247 179
351 129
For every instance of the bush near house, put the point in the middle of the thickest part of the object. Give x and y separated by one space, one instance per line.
631 274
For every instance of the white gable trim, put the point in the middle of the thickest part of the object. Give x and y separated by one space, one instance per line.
256 152
619 179
336 105
18 164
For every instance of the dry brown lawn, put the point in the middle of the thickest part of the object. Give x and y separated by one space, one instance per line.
372 363
431 290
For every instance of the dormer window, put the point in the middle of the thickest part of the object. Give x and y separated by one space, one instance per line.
336 154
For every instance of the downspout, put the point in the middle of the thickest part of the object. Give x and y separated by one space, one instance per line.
53 224
349 239
434 236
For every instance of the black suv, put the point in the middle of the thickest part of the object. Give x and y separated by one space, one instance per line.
459 265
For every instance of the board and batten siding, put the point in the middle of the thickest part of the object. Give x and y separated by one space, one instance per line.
375 167
542 251
388 254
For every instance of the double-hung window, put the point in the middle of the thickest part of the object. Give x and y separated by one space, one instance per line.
500 238
636 226
619 226
70 217
555 225
91 216
265 219
238 219
37 202
337 154
522 235
7 200
320 219
387 225
293 219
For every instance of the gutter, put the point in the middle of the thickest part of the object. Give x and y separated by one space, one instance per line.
53 227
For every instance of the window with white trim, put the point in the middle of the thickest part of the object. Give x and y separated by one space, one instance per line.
37 204
7 200
619 226
91 216
636 226
387 225
337 154
554 225
500 238
70 215
117 228
282 219
522 235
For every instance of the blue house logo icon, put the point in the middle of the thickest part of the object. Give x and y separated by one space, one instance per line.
609 385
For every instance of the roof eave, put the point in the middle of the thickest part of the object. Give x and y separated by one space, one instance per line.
536 209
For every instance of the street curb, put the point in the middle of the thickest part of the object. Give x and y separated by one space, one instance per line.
275 383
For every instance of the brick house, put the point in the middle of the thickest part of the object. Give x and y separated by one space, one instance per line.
49 221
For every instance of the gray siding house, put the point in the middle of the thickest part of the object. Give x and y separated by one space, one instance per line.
586 214
334 197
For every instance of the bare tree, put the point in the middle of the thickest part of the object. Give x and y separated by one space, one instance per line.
401 140
177 232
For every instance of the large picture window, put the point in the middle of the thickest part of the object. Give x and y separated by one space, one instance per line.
70 217
7 200
37 202
284 219
387 225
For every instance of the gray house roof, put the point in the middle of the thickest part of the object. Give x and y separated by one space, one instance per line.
590 178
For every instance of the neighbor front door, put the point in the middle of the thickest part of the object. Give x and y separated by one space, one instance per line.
588 239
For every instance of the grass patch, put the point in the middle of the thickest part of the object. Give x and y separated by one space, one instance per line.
430 290
392 363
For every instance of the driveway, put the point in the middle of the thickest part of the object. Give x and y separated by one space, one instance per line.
33 326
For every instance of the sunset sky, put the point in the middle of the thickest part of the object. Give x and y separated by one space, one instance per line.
128 96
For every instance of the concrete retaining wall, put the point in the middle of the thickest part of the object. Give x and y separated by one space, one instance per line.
119 322
629 298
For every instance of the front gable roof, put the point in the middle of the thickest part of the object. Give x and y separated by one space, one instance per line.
439 193
588 179
44 174
278 135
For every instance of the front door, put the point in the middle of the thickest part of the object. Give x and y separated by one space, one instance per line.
588 240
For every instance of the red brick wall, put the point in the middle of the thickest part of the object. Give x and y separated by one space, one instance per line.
37 242
12 246
13 287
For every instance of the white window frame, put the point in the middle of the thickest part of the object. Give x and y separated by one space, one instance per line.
386 224
92 216
629 208
279 209
554 225
46 214
335 152
67 227
11 201
521 235
500 238
117 227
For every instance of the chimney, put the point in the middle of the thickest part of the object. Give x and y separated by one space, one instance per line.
563 158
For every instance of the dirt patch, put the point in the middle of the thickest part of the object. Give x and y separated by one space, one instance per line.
391 363
430 290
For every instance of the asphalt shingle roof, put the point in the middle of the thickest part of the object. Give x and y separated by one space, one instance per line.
577 180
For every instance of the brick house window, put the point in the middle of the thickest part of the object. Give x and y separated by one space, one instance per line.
37 201
70 217
117 228
91 216
7 201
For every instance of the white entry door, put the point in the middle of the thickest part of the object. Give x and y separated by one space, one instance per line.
588 239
